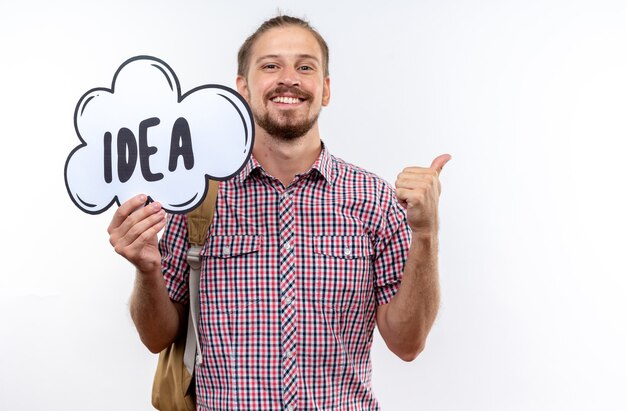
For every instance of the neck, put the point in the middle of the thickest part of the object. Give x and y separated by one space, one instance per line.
285 159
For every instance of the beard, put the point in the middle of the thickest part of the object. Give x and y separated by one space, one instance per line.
286 127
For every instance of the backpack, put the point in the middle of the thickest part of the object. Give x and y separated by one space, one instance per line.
173 388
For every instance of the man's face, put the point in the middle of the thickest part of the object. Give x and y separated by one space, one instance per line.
285 84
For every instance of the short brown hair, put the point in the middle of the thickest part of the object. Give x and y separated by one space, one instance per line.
243 57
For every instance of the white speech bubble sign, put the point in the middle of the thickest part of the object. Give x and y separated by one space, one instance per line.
143 136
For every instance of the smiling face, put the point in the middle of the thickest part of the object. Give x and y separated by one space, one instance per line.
285 83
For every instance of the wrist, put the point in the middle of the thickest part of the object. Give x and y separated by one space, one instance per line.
426 234
149 275
424 240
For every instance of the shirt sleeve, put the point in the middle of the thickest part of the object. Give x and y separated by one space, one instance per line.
390 246
173 246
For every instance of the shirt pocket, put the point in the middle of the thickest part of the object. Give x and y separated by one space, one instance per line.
340 271
348 247
230 246
229 264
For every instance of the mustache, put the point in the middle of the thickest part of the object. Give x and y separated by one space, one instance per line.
293 91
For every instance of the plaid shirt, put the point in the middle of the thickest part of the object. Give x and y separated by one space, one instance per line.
290 281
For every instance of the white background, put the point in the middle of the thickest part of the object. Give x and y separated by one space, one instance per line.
528 96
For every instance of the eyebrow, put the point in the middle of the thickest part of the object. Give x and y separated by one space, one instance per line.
276 56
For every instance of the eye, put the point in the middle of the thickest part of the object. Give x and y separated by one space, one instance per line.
305 68
270 66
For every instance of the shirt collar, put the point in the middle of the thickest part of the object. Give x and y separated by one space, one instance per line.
250 166
323 165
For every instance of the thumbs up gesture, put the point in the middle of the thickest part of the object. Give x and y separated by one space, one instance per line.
418 189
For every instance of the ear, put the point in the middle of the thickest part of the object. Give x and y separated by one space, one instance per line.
326 92
242 87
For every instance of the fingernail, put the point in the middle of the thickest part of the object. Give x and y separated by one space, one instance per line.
142 197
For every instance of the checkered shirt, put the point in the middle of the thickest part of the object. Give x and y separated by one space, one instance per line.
290 281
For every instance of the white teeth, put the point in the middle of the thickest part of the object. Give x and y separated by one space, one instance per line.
285 100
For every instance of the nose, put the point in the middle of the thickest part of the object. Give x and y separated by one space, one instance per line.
289 76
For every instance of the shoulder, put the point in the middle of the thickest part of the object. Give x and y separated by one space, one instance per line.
368 197
349 175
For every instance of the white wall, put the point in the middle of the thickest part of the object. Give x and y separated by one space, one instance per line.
529 98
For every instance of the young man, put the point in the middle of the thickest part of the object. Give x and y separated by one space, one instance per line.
305 256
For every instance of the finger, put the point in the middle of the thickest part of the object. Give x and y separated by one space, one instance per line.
144 226
410 180
154 230
418 170
401 193
440 161
120 234
137 220
404 196
411 198
123 211
140 234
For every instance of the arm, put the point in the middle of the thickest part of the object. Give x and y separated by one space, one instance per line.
133 234
404 323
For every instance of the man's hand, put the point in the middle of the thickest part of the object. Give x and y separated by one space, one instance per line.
418 190
133 233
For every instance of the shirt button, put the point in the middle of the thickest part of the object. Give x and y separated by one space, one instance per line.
226 250
287 246
291 353
291 407
347 251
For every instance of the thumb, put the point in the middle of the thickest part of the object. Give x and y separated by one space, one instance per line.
440 161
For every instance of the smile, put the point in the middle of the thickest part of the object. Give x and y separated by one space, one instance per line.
286 100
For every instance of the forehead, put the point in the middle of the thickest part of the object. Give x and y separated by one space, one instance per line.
288 41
